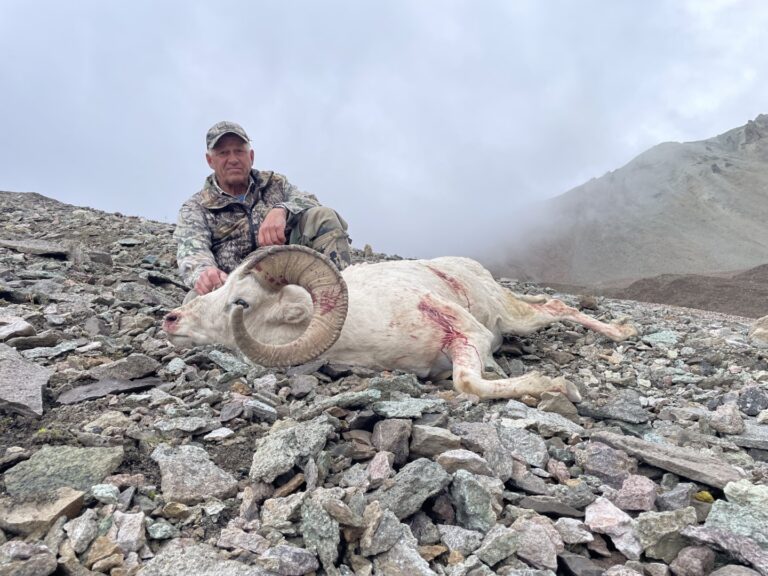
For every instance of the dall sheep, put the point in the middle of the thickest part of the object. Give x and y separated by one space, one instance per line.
287 305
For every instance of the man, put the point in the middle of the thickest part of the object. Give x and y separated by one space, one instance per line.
240 209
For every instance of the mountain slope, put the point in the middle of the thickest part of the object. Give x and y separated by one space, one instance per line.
695 207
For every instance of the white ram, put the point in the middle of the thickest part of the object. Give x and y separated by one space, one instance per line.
286 305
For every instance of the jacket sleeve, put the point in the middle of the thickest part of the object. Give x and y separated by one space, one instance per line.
294 200
193 238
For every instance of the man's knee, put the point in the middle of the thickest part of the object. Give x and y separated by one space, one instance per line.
322 229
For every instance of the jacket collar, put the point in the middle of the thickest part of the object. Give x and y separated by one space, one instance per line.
214 197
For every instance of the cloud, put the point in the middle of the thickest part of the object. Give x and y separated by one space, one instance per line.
428 125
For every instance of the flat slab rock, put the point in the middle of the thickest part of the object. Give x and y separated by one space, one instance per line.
189 476
185 557
21 383
52 467
38 247
103 388
682 461
39 515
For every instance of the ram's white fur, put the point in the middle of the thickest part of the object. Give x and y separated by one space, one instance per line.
428 317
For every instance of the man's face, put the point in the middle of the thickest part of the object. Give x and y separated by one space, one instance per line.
231 160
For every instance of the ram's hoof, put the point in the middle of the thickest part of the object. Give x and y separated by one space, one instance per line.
566 388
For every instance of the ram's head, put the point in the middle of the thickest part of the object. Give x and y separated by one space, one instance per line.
284 305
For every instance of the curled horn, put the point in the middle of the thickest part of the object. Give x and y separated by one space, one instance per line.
278 266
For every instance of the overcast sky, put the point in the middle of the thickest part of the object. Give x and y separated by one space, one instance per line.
428 124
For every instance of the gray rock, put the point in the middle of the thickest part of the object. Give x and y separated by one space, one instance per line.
229 363
188 475
610 465
406 384
302 384
682 461
392 436
37 247
460 539
53 352
573 531
482 437
549 505
605 518
753 436
461 459
663 337
82 530
183 425
677 497
162 530
128 531
535 546
743 520
579 565
280 513
53 467
726 419
382 530
234 538
133 366
14 327
410 408
286 560
734 570
185 557
740 548
321 533
636 493
343 400
430 441
659 532
282 449
624 407
402 559
693 561
103 388
548 423
752 400
21 383
499 543
416 481
26 559
105 493
39 514
473 501
260 411
423 529
529 447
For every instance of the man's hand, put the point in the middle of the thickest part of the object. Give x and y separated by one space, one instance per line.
209 280
272 229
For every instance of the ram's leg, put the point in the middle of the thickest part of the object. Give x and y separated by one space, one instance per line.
555 310
467 377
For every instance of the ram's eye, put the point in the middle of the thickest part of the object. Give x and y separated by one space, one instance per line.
241 302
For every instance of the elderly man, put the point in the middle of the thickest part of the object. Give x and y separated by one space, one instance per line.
240 209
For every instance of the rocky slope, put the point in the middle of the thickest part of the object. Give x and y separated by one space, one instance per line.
122 455
743 294
678 208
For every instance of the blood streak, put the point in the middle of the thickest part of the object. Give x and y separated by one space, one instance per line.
328 300
452 283
444 320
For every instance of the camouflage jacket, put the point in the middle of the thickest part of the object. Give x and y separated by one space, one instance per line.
216 229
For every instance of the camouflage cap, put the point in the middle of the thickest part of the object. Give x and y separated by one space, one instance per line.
222 128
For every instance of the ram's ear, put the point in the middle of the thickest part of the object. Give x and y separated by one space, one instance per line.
295 313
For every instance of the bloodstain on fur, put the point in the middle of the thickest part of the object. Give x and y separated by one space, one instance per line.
452 283
328 300
444 320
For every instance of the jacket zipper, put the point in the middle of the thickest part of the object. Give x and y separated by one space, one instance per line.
249 212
